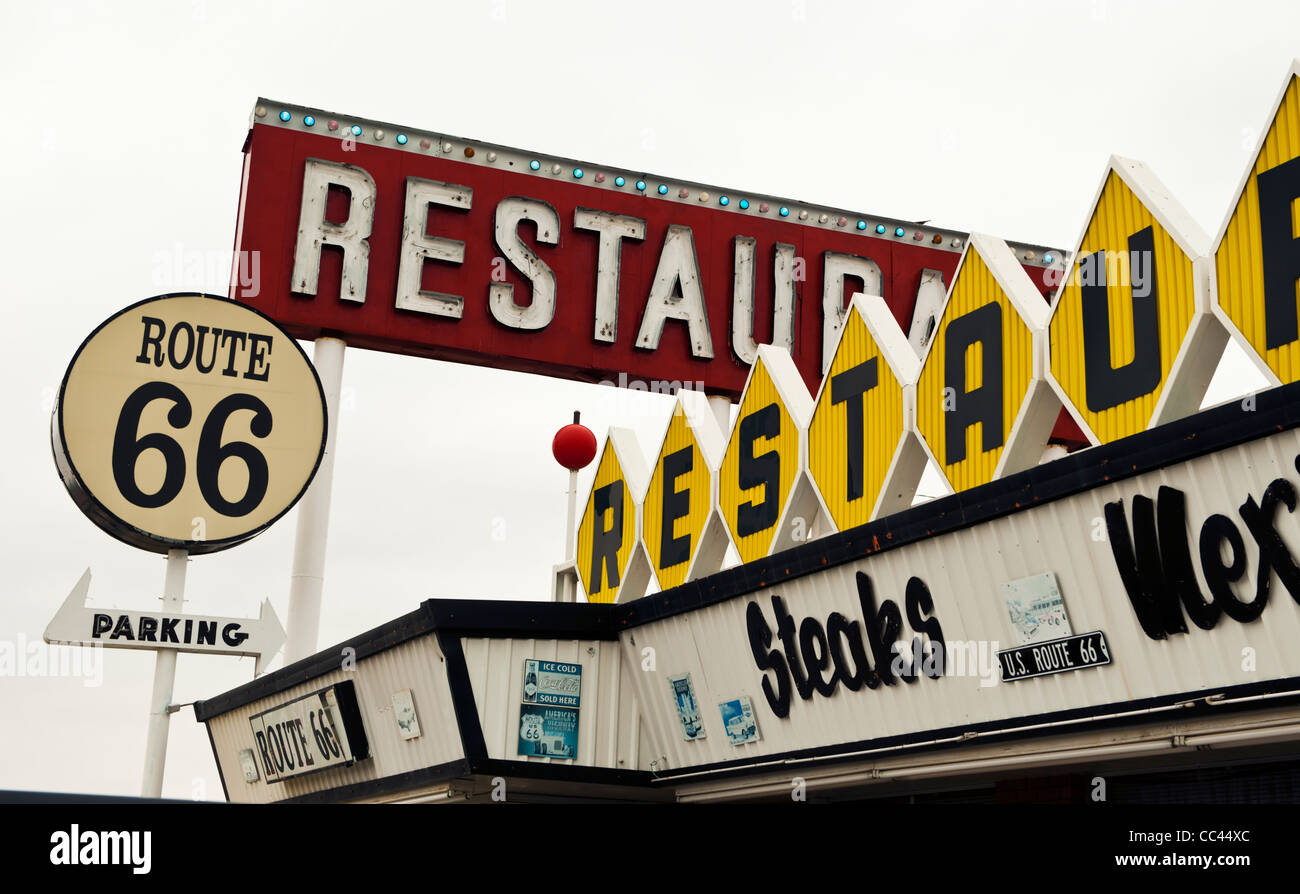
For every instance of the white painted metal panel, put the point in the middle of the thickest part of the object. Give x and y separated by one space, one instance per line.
964 571
607 717
417 665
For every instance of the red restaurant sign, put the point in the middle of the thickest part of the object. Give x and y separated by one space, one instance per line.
424 244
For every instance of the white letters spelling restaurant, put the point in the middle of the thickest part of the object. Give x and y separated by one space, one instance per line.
1106 605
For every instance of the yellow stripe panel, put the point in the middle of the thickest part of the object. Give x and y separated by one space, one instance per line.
1120 214
974 288
1239 260
882 418
607 472
696 481
758 394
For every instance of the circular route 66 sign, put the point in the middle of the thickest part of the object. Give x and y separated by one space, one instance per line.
188 421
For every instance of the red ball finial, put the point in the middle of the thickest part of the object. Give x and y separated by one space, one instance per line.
574 445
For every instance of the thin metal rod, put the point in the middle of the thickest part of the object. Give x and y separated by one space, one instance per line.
308 580
570 530
570 593
164 679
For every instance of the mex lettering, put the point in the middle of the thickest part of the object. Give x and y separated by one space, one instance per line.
1155 563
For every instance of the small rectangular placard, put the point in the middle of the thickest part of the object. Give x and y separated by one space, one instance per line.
552 683
1054 656
738 721
688 709
548 731
1036 608
408 724
314 732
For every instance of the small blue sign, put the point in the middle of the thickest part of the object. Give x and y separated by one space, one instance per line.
548 731
552 683
688 709
738 720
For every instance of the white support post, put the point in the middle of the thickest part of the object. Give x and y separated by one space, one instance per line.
308 580
164 679
570 584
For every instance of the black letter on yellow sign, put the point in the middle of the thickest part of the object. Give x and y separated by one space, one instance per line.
848 388
983 404
1278 190
1109 386
606 541
676 504
758 471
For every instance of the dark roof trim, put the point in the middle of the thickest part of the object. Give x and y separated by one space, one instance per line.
415 779
366 644
526 620
463 617
398 782
212 742
562 771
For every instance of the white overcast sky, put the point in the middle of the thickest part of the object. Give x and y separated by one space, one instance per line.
121 167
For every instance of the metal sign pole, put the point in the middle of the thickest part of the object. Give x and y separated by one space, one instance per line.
573 447
308 581
570 593
164 679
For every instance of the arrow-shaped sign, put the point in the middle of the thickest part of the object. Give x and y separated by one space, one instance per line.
77 625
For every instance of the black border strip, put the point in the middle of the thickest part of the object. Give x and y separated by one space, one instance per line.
383 637
462 697
212 742
398 782
467 617
563 771
524 620
345 692
402 782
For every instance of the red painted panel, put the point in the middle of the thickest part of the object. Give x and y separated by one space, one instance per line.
566 348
